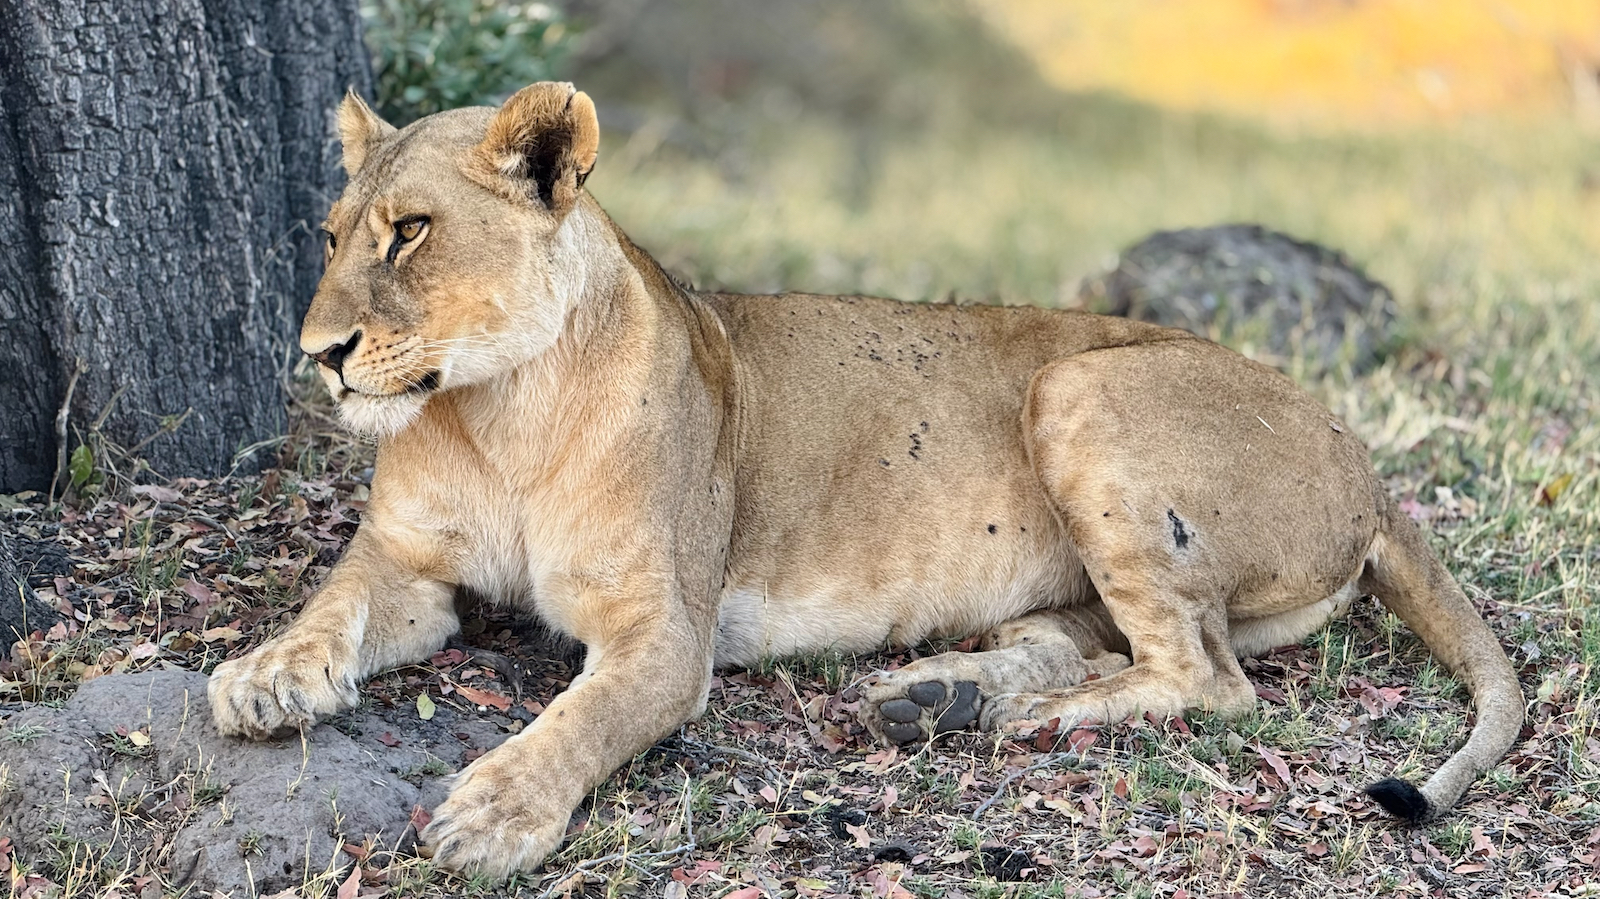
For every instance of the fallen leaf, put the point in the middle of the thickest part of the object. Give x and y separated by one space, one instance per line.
144 650
347 890
1080 740
1275 763
225 634
139 738
425 707
890 797
702 869
1414 510
486 698
157 492
1553 490
1048 734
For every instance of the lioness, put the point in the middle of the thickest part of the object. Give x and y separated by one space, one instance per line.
684 481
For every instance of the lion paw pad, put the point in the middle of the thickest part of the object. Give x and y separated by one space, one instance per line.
928 708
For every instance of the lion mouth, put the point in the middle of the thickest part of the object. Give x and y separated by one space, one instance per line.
428 383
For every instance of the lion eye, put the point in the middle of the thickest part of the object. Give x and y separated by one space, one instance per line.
331 245
406 231
410 228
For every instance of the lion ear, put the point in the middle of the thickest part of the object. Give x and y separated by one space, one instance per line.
360 130
544 140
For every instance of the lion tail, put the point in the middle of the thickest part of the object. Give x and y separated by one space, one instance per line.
1409 579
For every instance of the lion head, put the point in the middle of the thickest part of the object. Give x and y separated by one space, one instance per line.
447 259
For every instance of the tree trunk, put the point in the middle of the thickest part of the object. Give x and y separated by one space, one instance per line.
23 563
163 165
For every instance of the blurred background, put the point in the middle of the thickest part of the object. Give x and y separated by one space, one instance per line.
1006 150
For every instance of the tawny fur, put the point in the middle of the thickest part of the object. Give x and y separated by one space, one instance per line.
683 480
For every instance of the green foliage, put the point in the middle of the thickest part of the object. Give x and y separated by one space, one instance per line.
82 471
429 55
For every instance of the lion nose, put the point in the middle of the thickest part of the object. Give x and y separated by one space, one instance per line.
334 356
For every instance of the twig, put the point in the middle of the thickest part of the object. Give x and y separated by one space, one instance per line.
61 429
634 858
725 750
589 866
703 747
1050 759
167 427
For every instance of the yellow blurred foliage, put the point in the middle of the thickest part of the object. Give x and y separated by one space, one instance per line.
1356 62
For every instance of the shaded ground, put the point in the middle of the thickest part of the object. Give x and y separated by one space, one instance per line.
776 788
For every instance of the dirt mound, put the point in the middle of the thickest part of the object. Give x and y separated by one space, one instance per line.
131 772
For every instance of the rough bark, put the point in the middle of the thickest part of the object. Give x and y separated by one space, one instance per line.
25 564
163 164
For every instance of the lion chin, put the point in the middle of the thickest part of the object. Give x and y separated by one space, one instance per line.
380 416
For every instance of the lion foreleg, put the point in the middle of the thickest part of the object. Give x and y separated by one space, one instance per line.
372 614
509 809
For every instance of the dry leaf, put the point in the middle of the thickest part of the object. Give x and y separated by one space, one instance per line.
486 698
1276 764
1553 490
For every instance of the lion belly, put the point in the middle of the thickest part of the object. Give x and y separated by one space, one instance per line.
884 492
831 610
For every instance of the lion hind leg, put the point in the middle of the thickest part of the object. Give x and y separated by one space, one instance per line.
947 692
1182 661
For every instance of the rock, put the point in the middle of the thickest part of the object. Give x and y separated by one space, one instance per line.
1251 288
132 767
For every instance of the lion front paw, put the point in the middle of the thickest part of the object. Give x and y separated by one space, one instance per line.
287 683
494 822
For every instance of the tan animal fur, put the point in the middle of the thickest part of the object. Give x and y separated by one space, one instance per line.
686 480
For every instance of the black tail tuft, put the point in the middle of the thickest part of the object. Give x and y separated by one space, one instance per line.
1401 799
